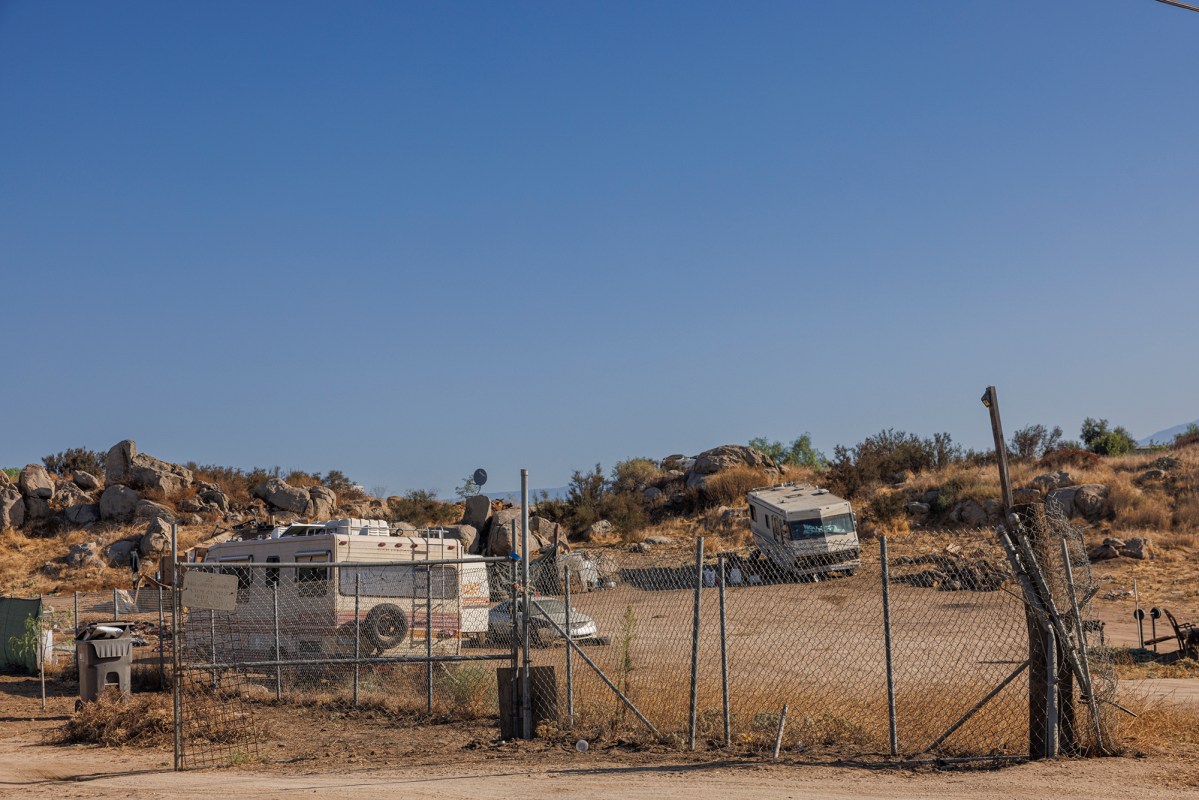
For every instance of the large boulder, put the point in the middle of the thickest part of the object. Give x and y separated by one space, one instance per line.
503 535
36 508
118 552
477 512
82 514
322 501
148 509
732 455
67 494
1060 502
1091 501
154 541
214 498
119 461
677 463
12 507
596 530
118 502
124 464
1138 547
279 494
1051 480
969 512
34 481
85 480
83 555
468 535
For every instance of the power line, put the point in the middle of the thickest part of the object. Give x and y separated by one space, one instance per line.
1177 4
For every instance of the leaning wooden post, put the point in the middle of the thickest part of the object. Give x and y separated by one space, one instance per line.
1039 696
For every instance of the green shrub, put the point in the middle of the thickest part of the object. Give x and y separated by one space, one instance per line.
77 458
1105 441
886 455
888 506
421 507
800 453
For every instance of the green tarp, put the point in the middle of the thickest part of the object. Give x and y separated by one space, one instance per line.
13 615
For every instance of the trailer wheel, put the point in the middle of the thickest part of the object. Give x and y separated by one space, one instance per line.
385 626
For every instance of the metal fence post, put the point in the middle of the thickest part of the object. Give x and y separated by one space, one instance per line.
515 642
429 640
278 650
526 699
724 655
894 728
41 645
1051 733
570 682
116 611
162 658
212 643
699 586
357 633
176 698
75 656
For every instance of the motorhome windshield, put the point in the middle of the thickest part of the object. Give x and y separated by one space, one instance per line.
817 528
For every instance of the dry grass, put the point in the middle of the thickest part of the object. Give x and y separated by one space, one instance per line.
143 719
1160 726
729 487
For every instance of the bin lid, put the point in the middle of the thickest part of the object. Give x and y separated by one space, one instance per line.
111 648
104 630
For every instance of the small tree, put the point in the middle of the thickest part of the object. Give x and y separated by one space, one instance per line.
76 458
1033 441
1100 438
468 489
800 452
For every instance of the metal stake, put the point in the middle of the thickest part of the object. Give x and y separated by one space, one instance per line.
75 656
724 655
570 680
1081 633
526 699
515 643
116 611
778 737
1051 737
357 633
212 642
278 649
882 543
429 640
41 645
699 585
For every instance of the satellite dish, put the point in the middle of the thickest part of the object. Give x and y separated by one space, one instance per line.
480 477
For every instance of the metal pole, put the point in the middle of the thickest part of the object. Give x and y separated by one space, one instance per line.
724 656
778 737
162 667
212 642
1139 614
116 611
41 645
75 657
357 633
1080 632
570 679
429 640
515 643
278 650
699 586
882 545
1051 739
177 728
526 699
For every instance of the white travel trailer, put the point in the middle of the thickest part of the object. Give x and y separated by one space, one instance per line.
316 603
804 529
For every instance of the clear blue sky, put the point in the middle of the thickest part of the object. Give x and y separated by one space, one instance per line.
406 240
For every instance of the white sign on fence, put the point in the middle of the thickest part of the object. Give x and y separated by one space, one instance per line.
209 590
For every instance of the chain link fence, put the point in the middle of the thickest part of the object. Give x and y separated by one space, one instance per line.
918 647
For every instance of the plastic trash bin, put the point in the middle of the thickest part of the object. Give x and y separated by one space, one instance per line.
105 651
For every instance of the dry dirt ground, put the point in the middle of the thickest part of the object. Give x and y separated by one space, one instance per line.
316 757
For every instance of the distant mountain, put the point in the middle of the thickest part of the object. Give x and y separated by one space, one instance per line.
1167 436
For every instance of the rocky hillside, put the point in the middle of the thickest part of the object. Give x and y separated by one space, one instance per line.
84 530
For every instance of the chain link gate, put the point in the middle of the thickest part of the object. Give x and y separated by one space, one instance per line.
920 652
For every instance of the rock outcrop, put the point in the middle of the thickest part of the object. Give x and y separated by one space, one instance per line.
118 502
34 481
124 464
281 495
12 507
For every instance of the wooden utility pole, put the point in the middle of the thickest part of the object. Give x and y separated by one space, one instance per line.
1042 728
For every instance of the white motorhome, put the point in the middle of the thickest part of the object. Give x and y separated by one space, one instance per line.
804 529
316 604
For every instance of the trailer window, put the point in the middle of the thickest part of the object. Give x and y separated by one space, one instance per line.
245 575
312 581
818 528
271 574
753 512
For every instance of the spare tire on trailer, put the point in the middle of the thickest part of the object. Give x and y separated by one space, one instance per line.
385 626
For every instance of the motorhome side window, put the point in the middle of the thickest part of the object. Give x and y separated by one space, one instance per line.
402 580
312 581
753 512
245 575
